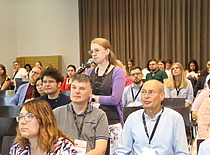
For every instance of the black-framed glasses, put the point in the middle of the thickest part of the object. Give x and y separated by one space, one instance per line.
134 74
28 117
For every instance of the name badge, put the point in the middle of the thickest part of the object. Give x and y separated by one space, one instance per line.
148 151
80 146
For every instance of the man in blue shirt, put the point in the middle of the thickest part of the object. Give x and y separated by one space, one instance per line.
131 95
155 129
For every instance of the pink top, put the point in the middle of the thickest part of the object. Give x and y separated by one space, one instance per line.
198 100
204 119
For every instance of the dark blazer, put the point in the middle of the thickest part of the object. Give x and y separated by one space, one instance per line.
199 84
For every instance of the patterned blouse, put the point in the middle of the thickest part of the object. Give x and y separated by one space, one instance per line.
62 147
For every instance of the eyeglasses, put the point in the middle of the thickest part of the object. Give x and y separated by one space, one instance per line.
135 74
94 51
28 117
33 72
150 92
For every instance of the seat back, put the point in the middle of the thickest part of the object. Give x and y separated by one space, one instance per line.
66 92
173 102
128 110
8 122
185 112
6 96
6 144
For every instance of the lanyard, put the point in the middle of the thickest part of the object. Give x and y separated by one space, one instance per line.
134 98
177 91
76 123
155 127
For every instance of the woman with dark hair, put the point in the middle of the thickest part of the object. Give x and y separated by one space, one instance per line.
4 78
192 70
38 88
38 133
108 85
161 64
28 69
66 85
129 64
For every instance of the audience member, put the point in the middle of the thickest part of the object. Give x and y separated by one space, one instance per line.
161 64
178 86
38 133
204 148
28 69
38 89
129 64
145 71
25 91
52 81
200 83
131 95
39 64
81 121
4 78
199 99
168 67
17 73
108 86
155 73
203 123
205 72
155 129
192 70
71 70
127 77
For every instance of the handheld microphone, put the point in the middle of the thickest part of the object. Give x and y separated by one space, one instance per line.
86 65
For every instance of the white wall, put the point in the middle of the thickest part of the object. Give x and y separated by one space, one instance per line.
8 40
46 27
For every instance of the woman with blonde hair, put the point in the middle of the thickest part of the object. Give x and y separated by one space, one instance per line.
178 86
38 133
108 85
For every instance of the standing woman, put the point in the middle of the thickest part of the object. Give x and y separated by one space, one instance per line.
4 78
178 86
108 85
66 85
38 133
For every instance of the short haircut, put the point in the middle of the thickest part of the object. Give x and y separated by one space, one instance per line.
82 78
16 61
53 73
136 67
150 60
169 61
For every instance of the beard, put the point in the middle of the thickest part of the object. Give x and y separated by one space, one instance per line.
136 81
31 80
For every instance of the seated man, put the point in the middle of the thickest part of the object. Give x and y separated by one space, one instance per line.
81 121
155 73
25 91
131 95
155 129
52 81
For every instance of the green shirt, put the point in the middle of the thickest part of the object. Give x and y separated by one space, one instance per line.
158 75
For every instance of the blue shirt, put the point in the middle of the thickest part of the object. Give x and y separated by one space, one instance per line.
204 148
169 137
127 97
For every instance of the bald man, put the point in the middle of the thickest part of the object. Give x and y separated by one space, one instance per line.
154 129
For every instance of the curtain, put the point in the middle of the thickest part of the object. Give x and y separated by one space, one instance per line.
145 29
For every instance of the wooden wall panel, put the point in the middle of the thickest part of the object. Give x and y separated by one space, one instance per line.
54 60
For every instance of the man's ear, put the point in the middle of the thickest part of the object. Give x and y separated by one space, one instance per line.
59 84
